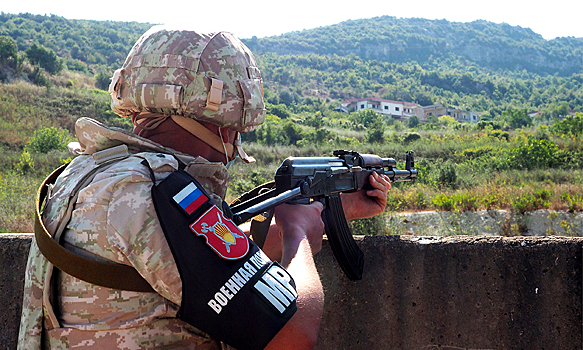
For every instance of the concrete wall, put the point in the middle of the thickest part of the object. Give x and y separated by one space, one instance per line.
13 255
456 292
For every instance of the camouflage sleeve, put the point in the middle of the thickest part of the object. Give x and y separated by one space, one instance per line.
134 230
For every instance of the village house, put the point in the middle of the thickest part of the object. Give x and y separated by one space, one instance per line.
456 113
394 109
404 110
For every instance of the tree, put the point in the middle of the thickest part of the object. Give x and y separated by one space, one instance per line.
45 58
517 118
8 51
413 121
375 132
279 110
366 117
102 80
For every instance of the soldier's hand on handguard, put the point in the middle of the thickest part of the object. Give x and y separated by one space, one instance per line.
367 203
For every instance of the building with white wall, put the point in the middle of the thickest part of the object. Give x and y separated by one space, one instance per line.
404 110
395 109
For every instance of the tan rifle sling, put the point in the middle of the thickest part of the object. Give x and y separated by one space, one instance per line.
105 274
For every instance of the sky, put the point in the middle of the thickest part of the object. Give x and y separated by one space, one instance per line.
247 18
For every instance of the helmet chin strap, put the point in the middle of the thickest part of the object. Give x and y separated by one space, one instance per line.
225 147
212 139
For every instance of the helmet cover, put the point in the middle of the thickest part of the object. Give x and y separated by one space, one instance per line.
207 77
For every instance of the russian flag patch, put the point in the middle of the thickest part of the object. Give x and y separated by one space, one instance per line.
190 198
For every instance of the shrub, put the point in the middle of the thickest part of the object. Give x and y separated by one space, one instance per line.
376 131
410 137
534 154
413 121
531 201
371 226
38 77
443 202
25 163
77 65
447 175
477 152
574 201
465 201
499 134
48 139
102 80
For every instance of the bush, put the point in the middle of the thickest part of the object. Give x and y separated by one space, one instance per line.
413 121
499 134
48 139
447 175
369 227
375 132
410 137
38 77
574 201
534 154
531 201
25 163
279 110
443 202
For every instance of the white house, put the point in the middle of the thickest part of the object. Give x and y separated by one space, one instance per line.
395 109
404 110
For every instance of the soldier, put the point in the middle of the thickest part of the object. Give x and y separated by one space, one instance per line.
189 96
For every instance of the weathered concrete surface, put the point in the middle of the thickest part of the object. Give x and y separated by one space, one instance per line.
456 293
487 222
419 293
13 256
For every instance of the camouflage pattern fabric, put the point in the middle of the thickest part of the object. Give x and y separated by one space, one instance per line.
182 72
113 220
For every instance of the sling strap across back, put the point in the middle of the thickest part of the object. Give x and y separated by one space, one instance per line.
105 274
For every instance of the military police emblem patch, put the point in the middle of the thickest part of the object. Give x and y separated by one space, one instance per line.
221 234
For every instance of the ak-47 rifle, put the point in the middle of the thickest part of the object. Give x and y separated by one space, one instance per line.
304 179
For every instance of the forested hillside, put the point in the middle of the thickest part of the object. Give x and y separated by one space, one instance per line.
434 43
78 42
479 66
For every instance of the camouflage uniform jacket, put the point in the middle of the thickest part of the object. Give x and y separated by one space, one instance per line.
113 220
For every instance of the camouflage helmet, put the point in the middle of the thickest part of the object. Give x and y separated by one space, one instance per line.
207 77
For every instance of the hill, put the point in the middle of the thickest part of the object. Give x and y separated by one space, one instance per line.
431 43
78 42
479 66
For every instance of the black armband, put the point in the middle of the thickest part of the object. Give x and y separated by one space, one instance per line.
230 288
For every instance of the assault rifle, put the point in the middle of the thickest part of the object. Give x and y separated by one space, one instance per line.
303 179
